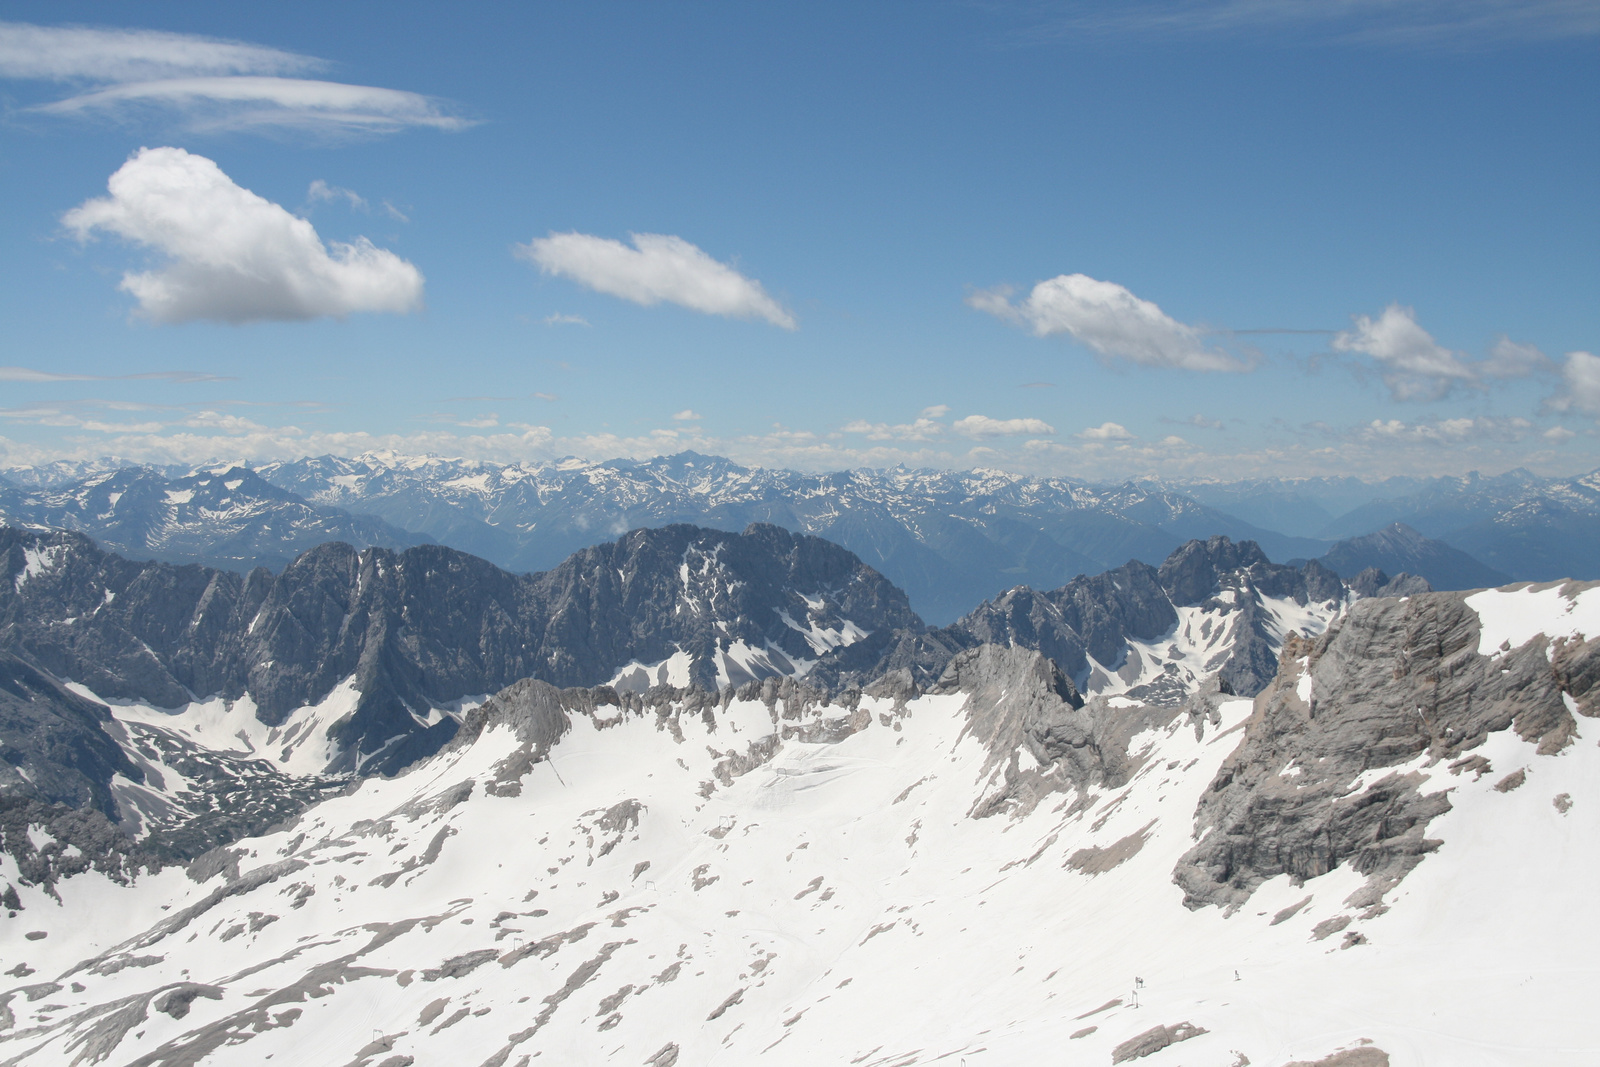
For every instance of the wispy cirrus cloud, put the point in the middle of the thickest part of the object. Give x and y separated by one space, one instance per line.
1110 320
659 268
233 256
206 82
320 192
1395 23
183 377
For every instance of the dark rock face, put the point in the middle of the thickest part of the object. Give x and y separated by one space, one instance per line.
427 627
1374 582
1393 680
1096 616
53 743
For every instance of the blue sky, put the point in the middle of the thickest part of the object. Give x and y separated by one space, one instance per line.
1035 236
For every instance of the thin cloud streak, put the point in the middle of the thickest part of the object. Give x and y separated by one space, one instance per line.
1394 23
210 84
238 103
185 377
1372 450
88 53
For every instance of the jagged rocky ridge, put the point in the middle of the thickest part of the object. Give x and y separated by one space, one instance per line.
773 873
419 630
416 632
1214 608
360 662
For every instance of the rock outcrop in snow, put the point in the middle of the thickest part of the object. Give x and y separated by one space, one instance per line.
1339 762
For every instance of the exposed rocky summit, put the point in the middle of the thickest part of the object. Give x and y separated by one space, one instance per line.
1087 626
1392 682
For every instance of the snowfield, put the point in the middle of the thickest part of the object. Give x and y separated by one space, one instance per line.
707 886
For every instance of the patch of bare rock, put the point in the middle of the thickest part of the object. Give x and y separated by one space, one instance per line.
1154 1040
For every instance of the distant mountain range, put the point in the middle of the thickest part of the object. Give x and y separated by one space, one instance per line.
228 517
1397 547
950 539
1516 523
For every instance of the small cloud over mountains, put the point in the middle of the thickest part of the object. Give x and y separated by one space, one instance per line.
1111 321
659 268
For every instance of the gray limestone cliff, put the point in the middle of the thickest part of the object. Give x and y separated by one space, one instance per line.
1393 680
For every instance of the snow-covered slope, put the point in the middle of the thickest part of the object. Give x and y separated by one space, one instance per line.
983 872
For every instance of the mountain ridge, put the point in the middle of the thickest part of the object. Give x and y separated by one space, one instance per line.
772 873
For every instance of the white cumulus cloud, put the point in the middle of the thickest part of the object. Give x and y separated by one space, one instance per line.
1107 431
1580 384
923 429
233 256
1415 366
1511 359
659 268
1110 320
981 426
688 415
